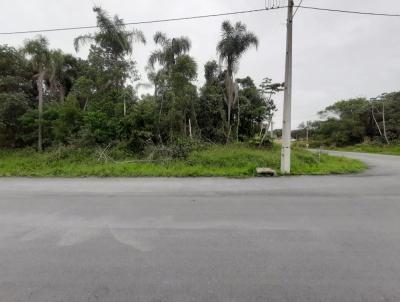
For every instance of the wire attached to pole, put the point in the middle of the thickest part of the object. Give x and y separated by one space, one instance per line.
332 10
294 14
272 4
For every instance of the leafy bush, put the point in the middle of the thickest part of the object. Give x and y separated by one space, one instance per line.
98 128
68 153
138 141
178 149
266 143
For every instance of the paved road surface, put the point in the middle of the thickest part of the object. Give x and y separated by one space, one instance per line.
332 238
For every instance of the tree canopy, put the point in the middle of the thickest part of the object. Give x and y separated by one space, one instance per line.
354 121
50 98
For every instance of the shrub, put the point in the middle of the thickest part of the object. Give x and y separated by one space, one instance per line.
178 149
266 143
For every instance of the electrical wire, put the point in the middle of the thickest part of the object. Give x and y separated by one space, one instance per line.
301 1
275 5
349 11
143 22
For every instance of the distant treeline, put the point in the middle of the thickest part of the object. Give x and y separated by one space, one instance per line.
355 121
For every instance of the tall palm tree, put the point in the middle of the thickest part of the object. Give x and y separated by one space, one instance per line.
112 35
114 38
40 58
235 41
170 50
63 73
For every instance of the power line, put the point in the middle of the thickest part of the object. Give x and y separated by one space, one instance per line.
297 8
349 11
275 5
144 22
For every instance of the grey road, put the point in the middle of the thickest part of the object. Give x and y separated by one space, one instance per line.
331 238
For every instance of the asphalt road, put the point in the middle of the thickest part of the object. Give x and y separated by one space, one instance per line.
331 238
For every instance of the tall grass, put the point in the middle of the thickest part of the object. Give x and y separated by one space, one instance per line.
235 160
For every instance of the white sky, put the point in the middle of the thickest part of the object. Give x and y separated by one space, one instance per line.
336 56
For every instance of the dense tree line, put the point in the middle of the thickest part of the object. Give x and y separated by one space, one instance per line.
49 98
356 121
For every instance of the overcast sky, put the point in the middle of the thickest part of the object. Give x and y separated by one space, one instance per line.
336 56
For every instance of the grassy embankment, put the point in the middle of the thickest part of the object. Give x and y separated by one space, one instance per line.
384 149
230 161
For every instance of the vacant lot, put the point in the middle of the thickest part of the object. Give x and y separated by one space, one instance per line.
230 160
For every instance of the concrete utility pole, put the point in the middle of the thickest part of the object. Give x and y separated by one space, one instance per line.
287 105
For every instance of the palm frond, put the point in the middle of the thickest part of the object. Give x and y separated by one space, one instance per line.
227 27
38 51
136 36
104 21
111 35
180 45
235 40
82 40
250 39
240 27
156 56
160 38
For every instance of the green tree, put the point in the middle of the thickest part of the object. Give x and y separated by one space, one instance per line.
103 88
353 121
346 122
252 109
211 106
65 120
112 35
83 88
235 41
108 63
65 68
170 51
385 111
268 89
16 92
40 58
174 89
138 128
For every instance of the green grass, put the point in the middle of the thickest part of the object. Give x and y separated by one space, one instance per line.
366 148
228 161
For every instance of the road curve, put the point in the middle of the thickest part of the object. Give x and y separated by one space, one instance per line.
308 238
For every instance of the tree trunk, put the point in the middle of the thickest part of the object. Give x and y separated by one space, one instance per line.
190 129
62 93
376 122
229 97
265 134
238 122
39 84
229 123
261 128
193 116
384 123
85 105
159 119
184 125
